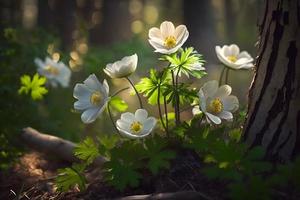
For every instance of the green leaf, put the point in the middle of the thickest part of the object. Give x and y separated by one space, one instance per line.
120 175
70 177
118 104
185 62
87 150
158 156
36 86
122 168
149 86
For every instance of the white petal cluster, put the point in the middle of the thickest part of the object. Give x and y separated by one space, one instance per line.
122 68
55 72
136 125
233 58
167 39
216 102
92 98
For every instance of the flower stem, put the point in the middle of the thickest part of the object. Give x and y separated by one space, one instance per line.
111 118
175 95
136 92
159 109
226 76
221 75
119 91
166 116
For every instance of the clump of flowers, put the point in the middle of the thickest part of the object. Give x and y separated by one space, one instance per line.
147 136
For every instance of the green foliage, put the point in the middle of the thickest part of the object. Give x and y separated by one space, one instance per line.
118 104
69 177
157 155
150 86
87 150
36 86
122 168
185 62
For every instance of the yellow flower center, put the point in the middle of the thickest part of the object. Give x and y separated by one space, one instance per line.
51 70
232 59
96 98
136 127
215 106
170 42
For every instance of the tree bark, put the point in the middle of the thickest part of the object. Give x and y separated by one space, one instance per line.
274 98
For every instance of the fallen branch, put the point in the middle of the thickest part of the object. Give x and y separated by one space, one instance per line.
186 195
53 145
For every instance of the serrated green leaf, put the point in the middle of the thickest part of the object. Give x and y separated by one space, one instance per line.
36 86
158 156
87 150
71 176
185 61
149 86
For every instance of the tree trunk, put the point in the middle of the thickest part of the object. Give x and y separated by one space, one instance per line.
274 98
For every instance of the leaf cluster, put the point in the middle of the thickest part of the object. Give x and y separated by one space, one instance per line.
35 86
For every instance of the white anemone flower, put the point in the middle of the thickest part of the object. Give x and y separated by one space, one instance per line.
55 72
233 58
216 102
136 125
122 68
167 39
92 98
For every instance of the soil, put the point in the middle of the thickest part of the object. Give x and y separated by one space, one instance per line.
33 178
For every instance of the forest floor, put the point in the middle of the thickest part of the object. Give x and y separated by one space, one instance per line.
32 177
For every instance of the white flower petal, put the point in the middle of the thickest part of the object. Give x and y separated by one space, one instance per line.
244 54
202 99
230 103
141 115
82 105
226 51
180 32
90 115
234 49
81 92
127 117
155 33
213 118
224 90
210 88
247 66
149 124
92 83
122 125
167 29
225 115
106 87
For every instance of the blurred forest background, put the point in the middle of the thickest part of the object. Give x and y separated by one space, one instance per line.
88 34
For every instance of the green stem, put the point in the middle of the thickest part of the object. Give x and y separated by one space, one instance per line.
166 116
136 92
226 76
175 95
111 118
221 75
119 91
159 109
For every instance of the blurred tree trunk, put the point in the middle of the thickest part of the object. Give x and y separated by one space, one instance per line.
199 19
274 98
116 23
230 21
